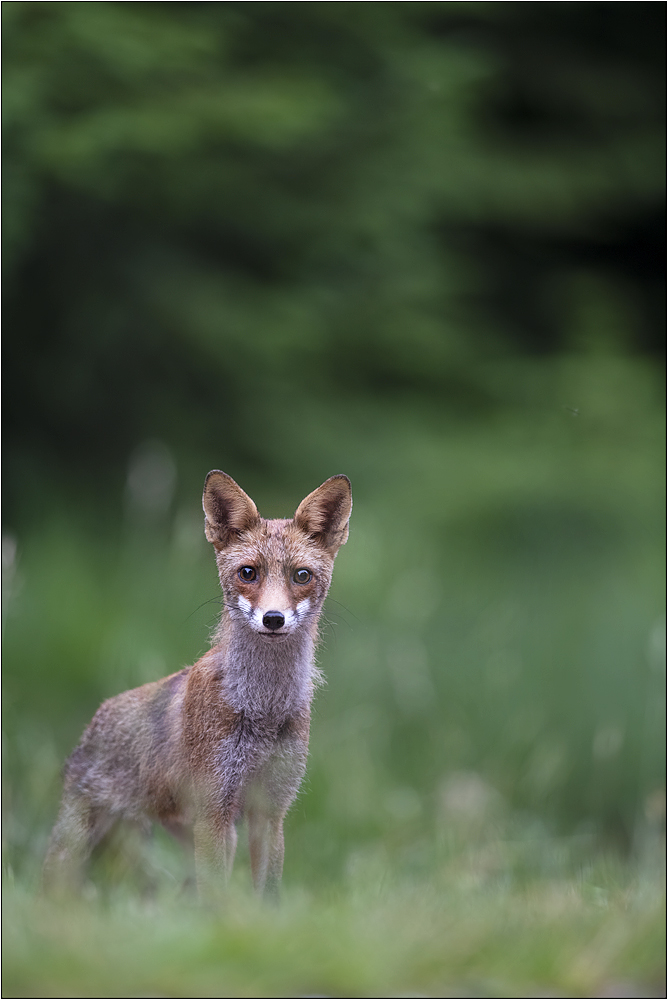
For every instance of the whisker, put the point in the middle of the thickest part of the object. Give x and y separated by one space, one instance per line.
332 600
211 600
339 619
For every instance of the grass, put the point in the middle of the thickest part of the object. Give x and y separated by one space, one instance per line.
506 917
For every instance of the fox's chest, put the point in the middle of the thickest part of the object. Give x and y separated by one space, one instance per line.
253 748
265 768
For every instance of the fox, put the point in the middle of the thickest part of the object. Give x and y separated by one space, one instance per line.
226 739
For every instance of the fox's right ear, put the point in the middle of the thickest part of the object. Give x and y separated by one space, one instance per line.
228 510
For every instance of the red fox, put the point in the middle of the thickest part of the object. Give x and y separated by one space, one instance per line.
228 737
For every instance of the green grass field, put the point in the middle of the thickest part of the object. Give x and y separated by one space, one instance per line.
505 918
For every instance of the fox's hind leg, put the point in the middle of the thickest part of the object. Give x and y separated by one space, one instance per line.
79 827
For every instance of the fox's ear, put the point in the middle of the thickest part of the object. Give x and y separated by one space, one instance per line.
228 510
324 513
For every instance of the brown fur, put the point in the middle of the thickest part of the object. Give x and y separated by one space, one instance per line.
228 737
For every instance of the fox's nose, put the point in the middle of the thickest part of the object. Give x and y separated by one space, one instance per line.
273 620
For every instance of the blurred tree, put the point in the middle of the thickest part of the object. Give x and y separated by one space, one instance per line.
212 209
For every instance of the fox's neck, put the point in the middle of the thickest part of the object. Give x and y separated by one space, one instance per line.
271 679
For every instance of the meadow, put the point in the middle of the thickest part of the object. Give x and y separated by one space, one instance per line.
511 918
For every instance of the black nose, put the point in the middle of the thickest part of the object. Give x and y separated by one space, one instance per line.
273 620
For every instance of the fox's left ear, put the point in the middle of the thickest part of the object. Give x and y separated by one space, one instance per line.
324 513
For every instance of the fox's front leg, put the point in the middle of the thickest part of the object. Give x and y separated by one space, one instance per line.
215 845
265 839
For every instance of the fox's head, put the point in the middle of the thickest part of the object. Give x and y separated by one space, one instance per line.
275 574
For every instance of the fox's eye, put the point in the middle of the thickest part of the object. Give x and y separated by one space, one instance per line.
301 576
247 573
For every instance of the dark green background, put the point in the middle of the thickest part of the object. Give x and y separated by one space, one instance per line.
418 243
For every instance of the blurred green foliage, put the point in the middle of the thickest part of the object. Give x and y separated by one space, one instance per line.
418 243
220 215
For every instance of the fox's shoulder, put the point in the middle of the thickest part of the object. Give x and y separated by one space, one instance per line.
152 689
